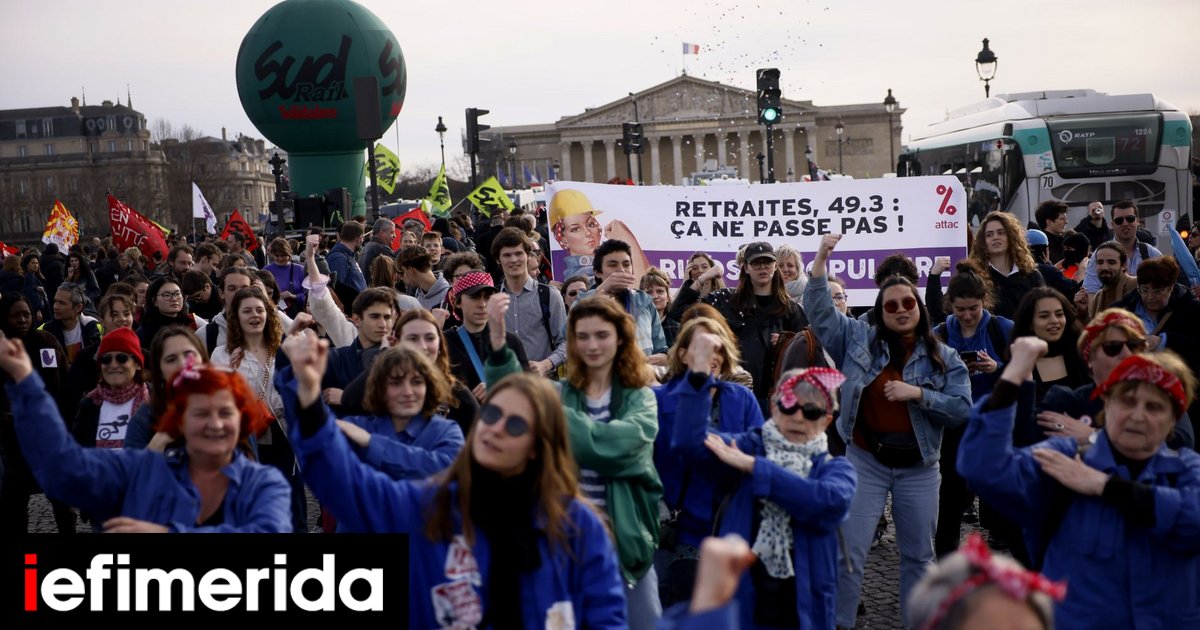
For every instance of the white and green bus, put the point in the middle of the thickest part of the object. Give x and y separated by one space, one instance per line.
1014 151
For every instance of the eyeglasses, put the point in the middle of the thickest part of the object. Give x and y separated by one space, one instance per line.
839 297
1145 290
514 425
1113 348
120 357
1123 220
810 411
171 295
907 304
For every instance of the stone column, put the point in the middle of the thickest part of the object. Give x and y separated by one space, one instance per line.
610 158
655 169
789 145
744 154
722 154
588 171
698 140
677 156
565 166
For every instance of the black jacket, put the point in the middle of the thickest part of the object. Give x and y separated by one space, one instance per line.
1095 235
1008 290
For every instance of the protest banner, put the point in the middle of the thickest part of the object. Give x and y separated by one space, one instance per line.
131 229
439 195
922 217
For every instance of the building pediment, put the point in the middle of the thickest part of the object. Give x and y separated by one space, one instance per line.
680 99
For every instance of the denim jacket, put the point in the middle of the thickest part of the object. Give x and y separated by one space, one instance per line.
947 395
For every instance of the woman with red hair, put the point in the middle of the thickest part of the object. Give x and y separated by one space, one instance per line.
202 483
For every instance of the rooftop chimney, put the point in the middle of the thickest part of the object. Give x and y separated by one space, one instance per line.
106 104
223 134
75 104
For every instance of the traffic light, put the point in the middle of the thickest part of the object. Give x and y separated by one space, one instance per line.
769 112
632 138
473 129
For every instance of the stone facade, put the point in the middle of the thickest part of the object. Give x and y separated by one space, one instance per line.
690 123
76 154
232 174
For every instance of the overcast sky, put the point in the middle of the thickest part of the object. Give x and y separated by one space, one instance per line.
534 62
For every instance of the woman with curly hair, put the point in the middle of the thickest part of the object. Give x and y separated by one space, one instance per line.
1000 247
202 484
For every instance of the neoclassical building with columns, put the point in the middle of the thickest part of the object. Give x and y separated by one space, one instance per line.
689 123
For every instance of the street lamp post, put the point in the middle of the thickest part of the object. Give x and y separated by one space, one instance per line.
441 132
277 163
512 163
889 103
812 166
840 128
985 67
762 177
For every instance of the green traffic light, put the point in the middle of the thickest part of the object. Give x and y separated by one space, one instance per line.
770 115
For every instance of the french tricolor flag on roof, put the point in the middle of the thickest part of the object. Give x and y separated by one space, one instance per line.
691 49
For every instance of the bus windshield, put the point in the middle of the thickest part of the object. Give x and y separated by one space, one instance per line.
1106 145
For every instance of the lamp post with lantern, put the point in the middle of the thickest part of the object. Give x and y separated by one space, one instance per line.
985 67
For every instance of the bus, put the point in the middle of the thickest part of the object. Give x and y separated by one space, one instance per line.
1014 151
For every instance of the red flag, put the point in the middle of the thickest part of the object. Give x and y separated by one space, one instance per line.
130 229
7 249
237 223
415 213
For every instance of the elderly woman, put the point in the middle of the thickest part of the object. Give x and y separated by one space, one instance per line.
1121 520
788 494
971 588
205 485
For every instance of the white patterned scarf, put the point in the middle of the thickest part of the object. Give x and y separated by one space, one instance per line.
774 538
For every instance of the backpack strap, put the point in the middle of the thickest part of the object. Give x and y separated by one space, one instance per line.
996 336
544 300
1143 249
942 333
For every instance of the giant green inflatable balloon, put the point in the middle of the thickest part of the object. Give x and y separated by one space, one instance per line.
295 77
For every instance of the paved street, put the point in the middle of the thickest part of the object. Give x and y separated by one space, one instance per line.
880 588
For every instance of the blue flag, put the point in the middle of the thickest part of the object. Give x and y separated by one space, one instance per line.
1186 262
503 179
550 174
530 177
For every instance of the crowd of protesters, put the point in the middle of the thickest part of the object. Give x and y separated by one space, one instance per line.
607 452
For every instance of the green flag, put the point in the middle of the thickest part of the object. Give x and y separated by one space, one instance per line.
387 168
439 194
490 197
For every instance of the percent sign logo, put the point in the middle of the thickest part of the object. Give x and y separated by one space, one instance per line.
944 207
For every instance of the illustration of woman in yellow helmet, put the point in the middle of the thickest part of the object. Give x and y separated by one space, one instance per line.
575 226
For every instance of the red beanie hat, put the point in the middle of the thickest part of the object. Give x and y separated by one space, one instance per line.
121 340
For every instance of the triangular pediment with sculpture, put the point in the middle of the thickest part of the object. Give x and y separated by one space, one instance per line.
680 99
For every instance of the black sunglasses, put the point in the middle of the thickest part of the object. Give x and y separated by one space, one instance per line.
1122 220
514 425
1113 348
120 357
811 412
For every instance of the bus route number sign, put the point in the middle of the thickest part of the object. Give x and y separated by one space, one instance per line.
1047 181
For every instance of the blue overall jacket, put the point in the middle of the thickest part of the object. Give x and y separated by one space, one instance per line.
446 578
817 505
140 484
1119 574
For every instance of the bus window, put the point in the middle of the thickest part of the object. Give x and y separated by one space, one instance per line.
1112 145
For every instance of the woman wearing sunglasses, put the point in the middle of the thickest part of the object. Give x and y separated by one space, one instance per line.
505 524
205 485
165 306
788 494
903 387
1118 520
104 414
1112 336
